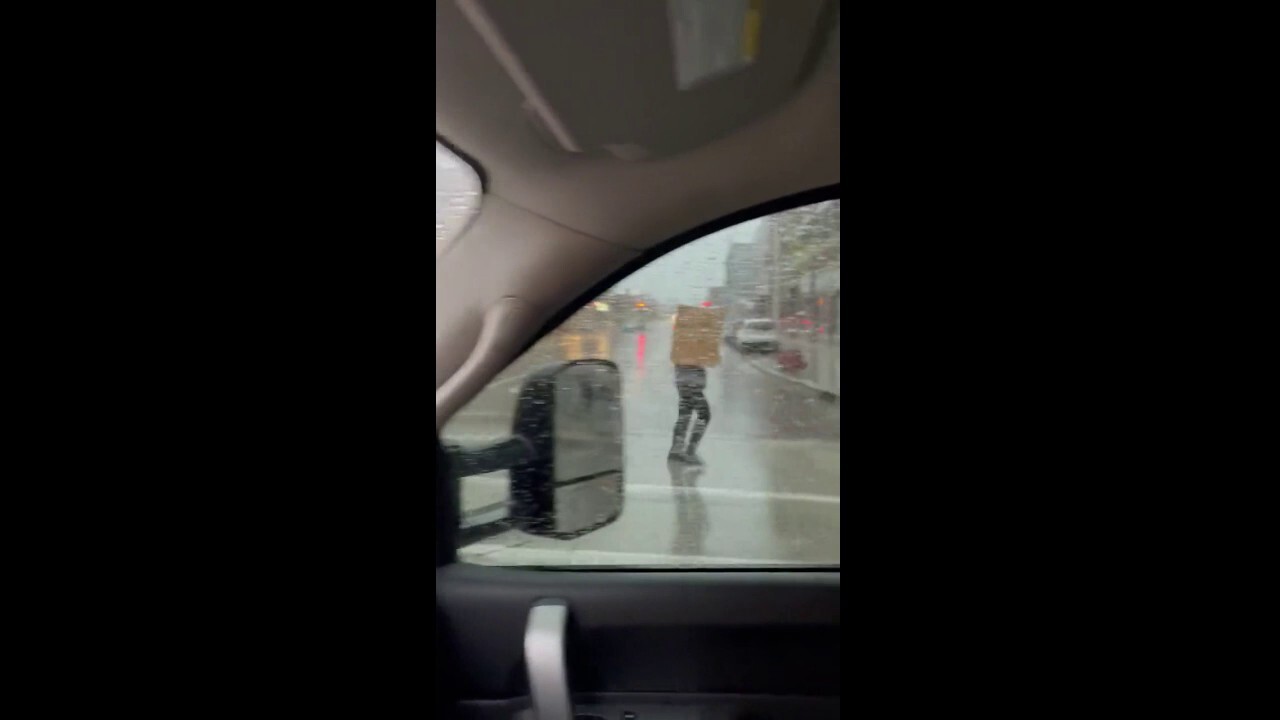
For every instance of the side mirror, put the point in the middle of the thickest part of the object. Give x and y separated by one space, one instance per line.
564 455
571 415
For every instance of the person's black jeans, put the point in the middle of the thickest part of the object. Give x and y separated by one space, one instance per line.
690 382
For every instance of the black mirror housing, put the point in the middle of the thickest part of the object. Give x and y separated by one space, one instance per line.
570 414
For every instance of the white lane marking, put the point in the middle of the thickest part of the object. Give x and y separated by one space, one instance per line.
731 494
486 553
663 491
711 438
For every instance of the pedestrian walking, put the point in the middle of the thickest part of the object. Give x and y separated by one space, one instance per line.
695 346
691 380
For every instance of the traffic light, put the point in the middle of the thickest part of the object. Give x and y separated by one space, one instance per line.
706 303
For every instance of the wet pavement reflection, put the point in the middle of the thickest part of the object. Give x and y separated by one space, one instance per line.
691 509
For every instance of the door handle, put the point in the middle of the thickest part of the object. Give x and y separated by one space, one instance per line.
544 657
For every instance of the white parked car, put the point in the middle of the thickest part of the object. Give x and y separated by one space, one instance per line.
759 334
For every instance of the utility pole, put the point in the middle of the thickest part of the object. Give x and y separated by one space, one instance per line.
775 251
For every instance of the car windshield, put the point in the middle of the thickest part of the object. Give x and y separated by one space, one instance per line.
760 325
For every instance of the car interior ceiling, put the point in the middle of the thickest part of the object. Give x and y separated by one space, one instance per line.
480 111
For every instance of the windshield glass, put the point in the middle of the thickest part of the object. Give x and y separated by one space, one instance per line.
457 196
760 325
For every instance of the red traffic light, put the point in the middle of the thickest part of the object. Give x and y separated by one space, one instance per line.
706 303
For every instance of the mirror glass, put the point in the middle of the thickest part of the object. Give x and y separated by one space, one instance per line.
587 471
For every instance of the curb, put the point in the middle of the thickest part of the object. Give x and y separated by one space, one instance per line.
766 368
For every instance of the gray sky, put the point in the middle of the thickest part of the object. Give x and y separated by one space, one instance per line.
685 275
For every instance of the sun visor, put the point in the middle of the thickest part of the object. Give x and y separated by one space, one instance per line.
647 78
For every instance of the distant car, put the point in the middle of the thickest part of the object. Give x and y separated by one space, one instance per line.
760 334
636 321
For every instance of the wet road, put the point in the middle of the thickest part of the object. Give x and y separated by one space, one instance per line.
769 491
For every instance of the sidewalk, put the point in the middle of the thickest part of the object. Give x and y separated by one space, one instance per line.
821 356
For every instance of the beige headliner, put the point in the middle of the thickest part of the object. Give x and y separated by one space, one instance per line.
553 223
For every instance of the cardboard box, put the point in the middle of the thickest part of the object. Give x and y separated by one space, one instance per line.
697 336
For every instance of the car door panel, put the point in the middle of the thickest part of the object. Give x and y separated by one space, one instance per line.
763 643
